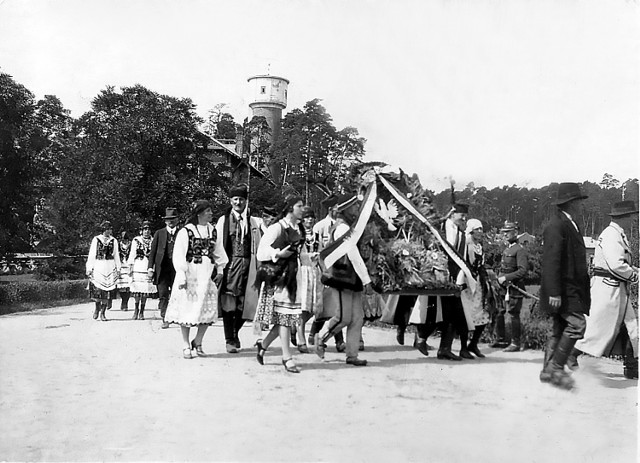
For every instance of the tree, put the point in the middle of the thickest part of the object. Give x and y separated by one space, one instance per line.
135 153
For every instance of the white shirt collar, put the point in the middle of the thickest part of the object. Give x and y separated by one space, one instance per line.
572 221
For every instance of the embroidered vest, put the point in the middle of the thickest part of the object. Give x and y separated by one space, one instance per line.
200 247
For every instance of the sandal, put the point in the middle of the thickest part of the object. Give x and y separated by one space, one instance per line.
198 349
261 352
186 353
290 366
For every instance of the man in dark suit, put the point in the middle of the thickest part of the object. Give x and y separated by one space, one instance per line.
564 292
161 268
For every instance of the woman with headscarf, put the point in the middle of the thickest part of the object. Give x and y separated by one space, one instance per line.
141 286
279 303
475 303
103 269
199 259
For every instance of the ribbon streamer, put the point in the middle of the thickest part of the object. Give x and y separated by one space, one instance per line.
402 199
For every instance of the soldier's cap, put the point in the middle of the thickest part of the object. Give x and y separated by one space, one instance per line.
509 226
461 207
623 209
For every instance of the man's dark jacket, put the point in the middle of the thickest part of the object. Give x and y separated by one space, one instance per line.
156 254
564 267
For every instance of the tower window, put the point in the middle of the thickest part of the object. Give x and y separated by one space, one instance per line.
263 90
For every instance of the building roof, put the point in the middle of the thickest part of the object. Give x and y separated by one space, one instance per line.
218 145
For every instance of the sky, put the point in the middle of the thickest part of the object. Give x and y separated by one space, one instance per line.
493 92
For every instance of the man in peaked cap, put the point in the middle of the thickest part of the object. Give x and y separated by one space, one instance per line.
161 268
513 269
564 289
613 276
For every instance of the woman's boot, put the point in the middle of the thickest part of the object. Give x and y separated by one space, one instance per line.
96 311
475 339
103 307
136 311
141 314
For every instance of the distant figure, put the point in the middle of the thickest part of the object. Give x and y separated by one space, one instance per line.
161 269
564 289
103 268
124 280
141 285
611 305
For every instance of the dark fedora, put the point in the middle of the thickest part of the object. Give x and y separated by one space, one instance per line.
509 226
623 208
171 213
569 191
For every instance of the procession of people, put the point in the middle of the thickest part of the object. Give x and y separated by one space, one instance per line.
241 268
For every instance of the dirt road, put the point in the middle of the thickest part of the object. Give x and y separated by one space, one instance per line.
74 389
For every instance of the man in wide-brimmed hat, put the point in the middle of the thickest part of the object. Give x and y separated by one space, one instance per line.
564 290
513 268
610 306
240 233
161 260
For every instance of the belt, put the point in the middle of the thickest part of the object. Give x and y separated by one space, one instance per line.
600 272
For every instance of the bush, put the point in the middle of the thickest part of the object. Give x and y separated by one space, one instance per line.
61 268
536 328
42 291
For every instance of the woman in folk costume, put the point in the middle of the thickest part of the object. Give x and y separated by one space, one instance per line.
199 259
475 302
311 287
103 268
124 280
279 303
610 303
141 286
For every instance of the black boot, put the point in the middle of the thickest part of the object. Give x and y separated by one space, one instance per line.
341 346
572 361
421 345
400 334
630 362
102 310
444 353
475 339
238 323
555 366
136 311
141 314
96 311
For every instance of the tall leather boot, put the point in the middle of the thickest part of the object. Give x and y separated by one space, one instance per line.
238 322
475 339
136 311
96 311
103 307
141 314
444 353
552 342
555 367
228 322
630 362
572 361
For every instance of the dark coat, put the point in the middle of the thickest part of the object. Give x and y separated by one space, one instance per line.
156 254
564 267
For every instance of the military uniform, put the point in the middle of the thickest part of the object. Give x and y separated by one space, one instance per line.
513 268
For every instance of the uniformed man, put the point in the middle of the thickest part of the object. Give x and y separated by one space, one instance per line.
513 269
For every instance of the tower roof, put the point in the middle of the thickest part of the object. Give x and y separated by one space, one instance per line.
267 76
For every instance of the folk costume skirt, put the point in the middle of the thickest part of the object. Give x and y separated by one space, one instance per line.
194 296
140 283
275 307
102 284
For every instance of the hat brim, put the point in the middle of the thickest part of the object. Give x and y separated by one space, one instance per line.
622 214
564 201
170 217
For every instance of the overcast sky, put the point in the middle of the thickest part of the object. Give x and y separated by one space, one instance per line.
496 92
